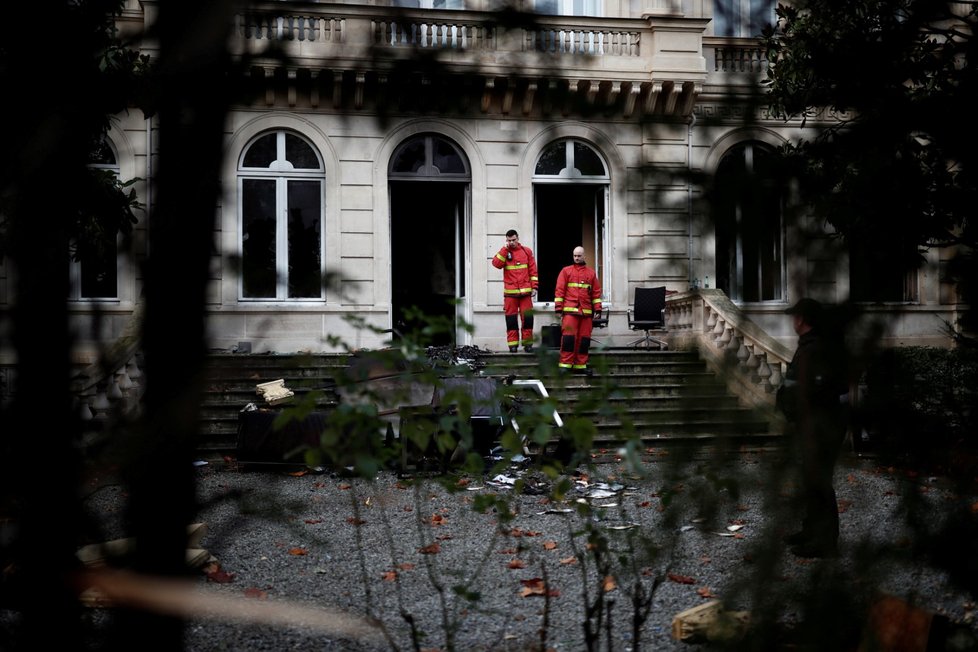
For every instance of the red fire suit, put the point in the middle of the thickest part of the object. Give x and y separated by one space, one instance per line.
519 281
577 298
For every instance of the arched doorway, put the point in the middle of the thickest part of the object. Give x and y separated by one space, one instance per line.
429 179
749 225
570 194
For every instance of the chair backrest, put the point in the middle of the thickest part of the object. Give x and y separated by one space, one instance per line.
649 304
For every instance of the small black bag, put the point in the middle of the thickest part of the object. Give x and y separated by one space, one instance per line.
550 336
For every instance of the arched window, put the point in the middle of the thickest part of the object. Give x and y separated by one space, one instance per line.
280 185
429 157
95 274
569 159
749 224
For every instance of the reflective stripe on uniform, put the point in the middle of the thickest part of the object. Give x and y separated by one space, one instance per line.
523 266
517 291
586 286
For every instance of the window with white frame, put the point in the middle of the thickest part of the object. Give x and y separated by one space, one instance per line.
280 186
742 18
95 271
568 7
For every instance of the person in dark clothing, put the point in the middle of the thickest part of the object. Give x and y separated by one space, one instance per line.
812 399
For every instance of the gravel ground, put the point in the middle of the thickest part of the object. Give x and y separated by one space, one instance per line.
685 532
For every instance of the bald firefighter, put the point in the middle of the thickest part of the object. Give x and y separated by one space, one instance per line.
577 300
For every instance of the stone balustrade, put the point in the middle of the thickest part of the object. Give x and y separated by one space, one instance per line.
655 61
113 385
753 362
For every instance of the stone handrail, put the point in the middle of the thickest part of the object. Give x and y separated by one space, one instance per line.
114 383
737 55
753 362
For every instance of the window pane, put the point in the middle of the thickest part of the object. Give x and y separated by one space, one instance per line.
726 18
305 237
102 155
300 154
548 7
552 160
586 160
99 273
446 158
761 16
410 157
258 239
261 153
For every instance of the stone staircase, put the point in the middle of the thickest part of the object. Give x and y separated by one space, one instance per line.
662 397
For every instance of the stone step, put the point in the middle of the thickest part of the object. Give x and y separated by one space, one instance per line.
656 395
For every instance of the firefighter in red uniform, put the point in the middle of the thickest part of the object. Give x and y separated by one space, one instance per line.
519 286
578 300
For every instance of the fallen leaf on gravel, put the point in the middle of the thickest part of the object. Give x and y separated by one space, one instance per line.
536 586
508 551
314 521
389 576
298 474
705 592
844 506
220 576
258 594
680 579
515 564
443 537
437 519
353 520
647 572
566 561
408 508
432 549
406 566
646 503
298 551
608 584
549 545
462 482
345 486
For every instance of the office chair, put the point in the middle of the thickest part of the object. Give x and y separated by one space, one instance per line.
648 315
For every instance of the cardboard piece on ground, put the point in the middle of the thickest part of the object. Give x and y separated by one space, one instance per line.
96 554
274 391
709 622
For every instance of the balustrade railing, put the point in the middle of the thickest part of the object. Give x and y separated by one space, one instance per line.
434 35
112 386
566 40
623 47
740 56
729 341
